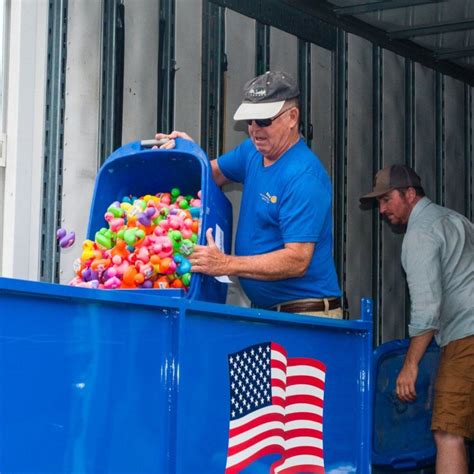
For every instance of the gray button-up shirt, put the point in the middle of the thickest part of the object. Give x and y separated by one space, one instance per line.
438 258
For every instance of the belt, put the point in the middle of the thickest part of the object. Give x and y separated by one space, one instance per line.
308 306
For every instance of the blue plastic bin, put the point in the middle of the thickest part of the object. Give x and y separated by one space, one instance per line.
136 170
402 436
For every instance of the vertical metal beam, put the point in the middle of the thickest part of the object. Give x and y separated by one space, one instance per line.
113 39
409 113
262 48
409 147
214 65
53 143
4 13
166 66
469 167
340 161
440 139
376 221
304 76
4 18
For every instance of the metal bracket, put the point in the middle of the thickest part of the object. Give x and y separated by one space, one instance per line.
3 150
153 142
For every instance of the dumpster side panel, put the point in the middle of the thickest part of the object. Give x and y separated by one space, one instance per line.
84 385
204 397
103 381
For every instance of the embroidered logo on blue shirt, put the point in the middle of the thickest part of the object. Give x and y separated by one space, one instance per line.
268 198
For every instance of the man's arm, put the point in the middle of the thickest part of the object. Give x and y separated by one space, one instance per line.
290 262
421 262
406 380
217 174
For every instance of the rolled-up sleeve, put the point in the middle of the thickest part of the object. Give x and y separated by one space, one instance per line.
422 264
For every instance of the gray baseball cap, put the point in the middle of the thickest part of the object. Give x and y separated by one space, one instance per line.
390 178
265 95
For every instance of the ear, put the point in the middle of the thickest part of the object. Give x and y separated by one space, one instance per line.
294 116
411 194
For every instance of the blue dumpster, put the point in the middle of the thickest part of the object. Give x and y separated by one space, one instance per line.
121 381
116 381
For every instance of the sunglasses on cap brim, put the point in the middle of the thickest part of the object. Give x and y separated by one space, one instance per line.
265 122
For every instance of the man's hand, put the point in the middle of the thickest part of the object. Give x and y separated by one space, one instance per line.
406 380
208 259
407 377
171 138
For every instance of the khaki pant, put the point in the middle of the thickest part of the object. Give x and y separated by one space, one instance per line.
335 313
453 408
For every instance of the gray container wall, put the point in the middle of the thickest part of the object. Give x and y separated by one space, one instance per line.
240 50
368 107
360 238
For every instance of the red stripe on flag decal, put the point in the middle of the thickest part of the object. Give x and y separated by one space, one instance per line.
278 401
256 422
308 416
278 383
311 400
278 364
276 347
308 362
306 450
255 439
305 380
303 432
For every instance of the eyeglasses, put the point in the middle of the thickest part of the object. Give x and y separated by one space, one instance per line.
265 122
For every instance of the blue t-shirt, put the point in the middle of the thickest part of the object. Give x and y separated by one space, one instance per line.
289 201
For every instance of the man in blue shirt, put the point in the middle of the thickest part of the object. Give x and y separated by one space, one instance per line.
283 252
438 258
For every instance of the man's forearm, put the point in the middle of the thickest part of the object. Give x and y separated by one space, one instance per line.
417 348
406 380
289 262
277 265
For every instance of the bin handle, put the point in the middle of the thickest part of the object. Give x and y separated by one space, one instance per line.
153 142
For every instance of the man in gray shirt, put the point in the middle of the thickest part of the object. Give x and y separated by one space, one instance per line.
438 258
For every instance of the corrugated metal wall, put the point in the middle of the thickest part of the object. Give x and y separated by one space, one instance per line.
81 122
368 108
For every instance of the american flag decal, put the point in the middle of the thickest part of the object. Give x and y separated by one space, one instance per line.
276 407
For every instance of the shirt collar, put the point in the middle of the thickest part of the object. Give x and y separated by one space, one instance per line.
418 209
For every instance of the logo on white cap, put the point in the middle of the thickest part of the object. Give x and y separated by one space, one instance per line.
257 92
